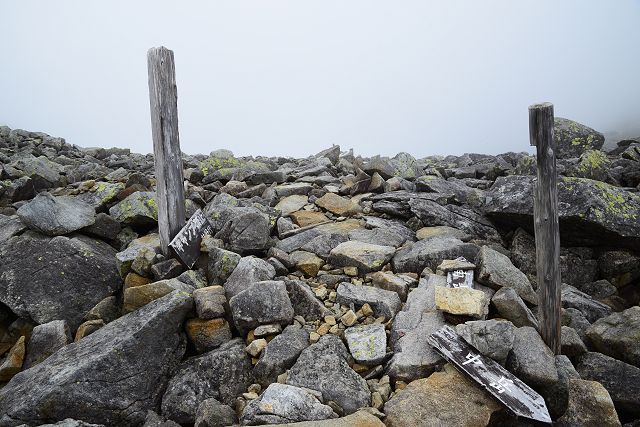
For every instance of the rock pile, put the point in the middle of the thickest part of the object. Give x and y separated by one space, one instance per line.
312 300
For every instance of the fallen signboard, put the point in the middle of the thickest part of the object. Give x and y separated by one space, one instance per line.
186 244
502 384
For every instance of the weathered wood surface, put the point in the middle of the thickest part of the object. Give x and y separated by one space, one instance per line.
547 230
502 384
163 99
186 244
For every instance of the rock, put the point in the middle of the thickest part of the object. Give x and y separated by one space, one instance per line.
496 271
307 262
395 227
107 310
575 320
87 328
248 271
125 258
102 194
247 233
155 420
221 374
10 226
333 154
323 244
304 301
599 289
377 236
462 301
290 204
571 344
590 308
365 256
221 264
361 418
104 227
45 340
531 360
261 304
573 139
43 172
69 422
391 282
621 380
619 267
618 335
323 367
338 205
138 209
367 343
212 413
207 334
80 269
167 269
139 296
510 306
280 354
442 231
12 364
256 347
95 378
267 330
384 303
210 302
430 252
589 405
492 338
590 212
305 218
443 399
285 190
55 216
282 403
556 396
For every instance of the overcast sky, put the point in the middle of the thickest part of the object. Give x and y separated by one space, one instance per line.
291 77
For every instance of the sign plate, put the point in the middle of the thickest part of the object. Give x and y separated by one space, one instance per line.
460 278
502 384
186 244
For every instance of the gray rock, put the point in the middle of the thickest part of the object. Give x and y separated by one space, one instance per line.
575 319
384 303
106 310
221 264
286 190
589 403
155 420
621 380
323 367
510 306
102 194
103 378
222 374
619 267
392 282
333 154
69 422
45 340
496 270
365 256
297 241
599 289
573 139
531 360
280 354
396 227
367 343
261 304
55 216
323 244
590 308
618 335
105 227
304 301
138 209
377 236
493 338
430 253
571 344
210 302
81 270
556 395
212 413
248 271
43 172
284 404
10 226
125 258
247 233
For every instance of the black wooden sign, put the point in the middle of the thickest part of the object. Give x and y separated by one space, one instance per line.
186 244
507 388
460 278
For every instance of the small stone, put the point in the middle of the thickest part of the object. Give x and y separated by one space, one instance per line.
323 329
349 318
134 279
367 344
350 271
266 330
366 310
87 328
307 262
250 396
256 347
207 334
167 269
462 301
456 264
45 340
331 320
314 337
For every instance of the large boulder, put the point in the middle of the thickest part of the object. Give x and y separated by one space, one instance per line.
591 212
55 216
280 354
572 138
531 360
247 233
618 335
104 378
261 304
59 278
138 209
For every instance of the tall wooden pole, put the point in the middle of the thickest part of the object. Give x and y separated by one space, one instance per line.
163 99
547 230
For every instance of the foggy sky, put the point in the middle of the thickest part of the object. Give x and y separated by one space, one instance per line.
291 77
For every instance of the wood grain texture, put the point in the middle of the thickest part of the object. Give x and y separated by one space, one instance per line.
163 97
545 216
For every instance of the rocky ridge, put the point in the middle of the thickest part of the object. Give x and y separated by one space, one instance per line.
312 300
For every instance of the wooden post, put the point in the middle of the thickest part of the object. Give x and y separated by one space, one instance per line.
545 215
163 98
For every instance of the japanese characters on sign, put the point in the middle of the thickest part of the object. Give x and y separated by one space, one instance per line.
460 278
507 388
186 244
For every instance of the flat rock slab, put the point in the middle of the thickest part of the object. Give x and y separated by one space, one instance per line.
384 303
103 378
81 270
367 343
365 256
55 216
462 301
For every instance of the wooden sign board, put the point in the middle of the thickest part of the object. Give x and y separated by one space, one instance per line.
502 384
186 244
460 278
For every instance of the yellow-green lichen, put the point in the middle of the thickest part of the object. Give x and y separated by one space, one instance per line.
216 163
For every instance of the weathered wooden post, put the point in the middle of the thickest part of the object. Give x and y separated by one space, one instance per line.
545 215
163 98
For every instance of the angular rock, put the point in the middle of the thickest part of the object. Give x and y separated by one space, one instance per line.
155 420
10 226
531 360
80 269
107 310
263 303
212 413
103 378
104 227
167 269
510 306
138 209
207 334
290 204
222 374
575 320
590 308
589 404
442 231
338 205
571 344
323 367
430 253
12 364
323 244
493 338
384 303
391 282
247 233
307 262
45 340
280 354
377 236
55 216
221 264
618 335
210 302
304 301
248 271
572 138
462 301
139 296
367 343
125 258
305 218
365 256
